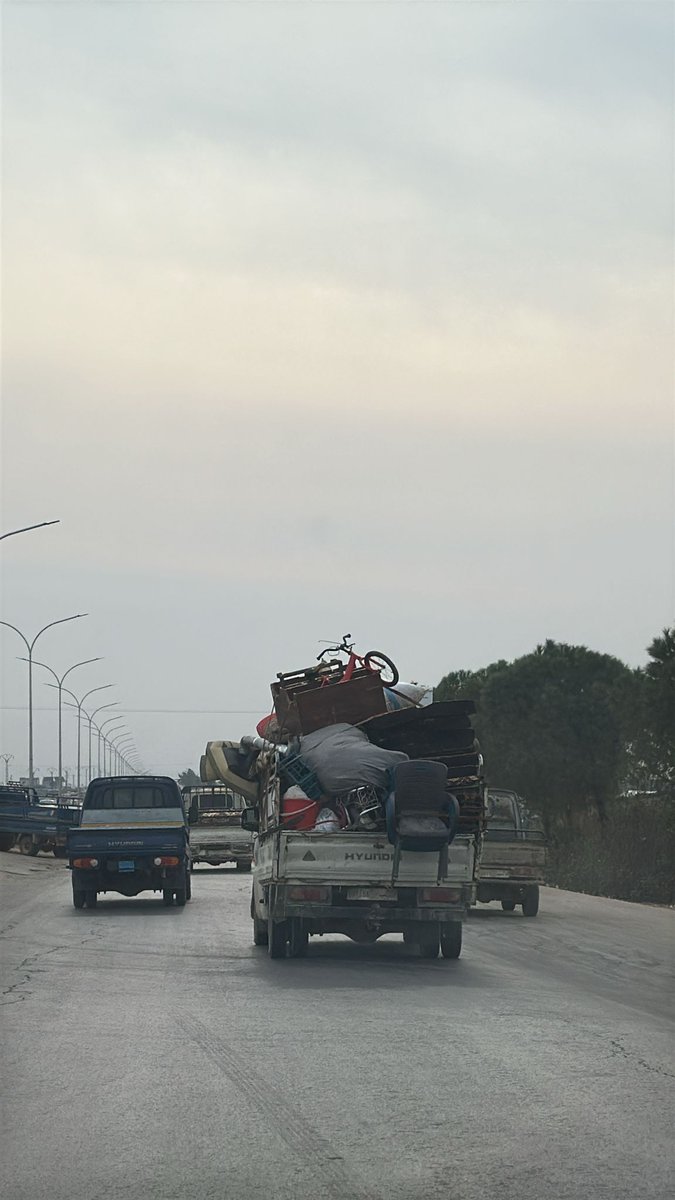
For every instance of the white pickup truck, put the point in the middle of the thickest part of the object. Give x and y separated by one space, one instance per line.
310 883
513 860
216 834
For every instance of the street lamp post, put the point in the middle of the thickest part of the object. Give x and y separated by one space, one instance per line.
101 707
120 724
7 760
116 743
59 684
29 646
78 705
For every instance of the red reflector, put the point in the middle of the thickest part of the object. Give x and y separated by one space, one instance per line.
171 861
439 895
308 893
85 862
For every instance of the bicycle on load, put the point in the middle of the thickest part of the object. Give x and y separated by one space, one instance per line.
374 661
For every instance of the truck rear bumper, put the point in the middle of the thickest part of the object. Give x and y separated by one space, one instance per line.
129 883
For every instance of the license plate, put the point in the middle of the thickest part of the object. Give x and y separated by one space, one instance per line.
374 893
126 864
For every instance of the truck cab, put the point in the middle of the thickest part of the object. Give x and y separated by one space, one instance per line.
216 835
133 837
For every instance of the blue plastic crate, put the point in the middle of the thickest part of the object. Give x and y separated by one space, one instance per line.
296 771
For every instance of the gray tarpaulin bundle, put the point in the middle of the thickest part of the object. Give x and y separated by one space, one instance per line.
343 758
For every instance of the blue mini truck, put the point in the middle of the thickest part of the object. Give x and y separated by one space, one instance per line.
133 837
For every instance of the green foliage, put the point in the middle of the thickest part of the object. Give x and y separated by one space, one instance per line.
573 731
188 778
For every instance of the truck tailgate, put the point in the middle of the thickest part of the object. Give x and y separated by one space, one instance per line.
360 858
505 858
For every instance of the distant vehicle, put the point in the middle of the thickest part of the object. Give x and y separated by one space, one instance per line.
216 835
514 855
32 824
133 838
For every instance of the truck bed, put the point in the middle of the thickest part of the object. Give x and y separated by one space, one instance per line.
355 858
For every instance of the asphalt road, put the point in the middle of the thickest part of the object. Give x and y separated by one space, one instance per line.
154 1054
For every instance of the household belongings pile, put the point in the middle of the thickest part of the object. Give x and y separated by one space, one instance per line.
339 750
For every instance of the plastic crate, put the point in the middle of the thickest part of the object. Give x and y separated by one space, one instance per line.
295 771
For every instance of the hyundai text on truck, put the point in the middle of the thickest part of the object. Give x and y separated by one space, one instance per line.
133 837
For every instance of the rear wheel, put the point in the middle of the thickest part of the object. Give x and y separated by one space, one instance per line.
531 901
91 897
188 886
180 896
451 939
167 897
298 938
428 940
79 898
259 932
379 662
26 844
277 936
508 905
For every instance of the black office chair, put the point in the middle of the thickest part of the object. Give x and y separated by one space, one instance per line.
421 814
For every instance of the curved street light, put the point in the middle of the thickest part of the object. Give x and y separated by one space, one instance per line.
117 743
106 740
29 646
78 705
90 719
59 684
27 528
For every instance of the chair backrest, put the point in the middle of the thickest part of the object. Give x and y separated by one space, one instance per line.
420 786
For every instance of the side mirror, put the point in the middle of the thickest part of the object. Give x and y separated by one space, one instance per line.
249 820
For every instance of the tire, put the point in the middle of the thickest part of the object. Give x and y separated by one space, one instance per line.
259 932
243 866
79 898
91 898
277 936
167 898
451 939
376 661
298 938
428 939
508 905
188 886
26 844
531 901
181 897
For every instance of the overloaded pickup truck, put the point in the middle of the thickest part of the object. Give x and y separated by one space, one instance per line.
356 880
216 836
514 855
133 837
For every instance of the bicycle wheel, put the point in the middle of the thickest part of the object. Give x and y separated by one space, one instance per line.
375 660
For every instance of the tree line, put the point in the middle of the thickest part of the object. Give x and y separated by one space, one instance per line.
589 743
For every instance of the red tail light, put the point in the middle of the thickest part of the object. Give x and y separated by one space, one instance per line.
308 893
166 861
439 895
85 862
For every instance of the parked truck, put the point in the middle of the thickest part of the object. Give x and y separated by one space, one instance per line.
514 855
361 880
32 824
133 837
216 835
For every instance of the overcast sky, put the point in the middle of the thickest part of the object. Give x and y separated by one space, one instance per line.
324 317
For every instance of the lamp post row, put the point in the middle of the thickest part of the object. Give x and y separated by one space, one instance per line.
30 645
